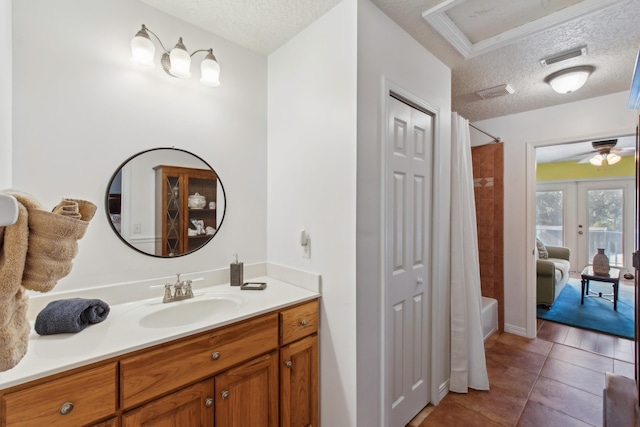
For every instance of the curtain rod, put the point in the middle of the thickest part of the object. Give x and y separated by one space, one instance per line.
495 138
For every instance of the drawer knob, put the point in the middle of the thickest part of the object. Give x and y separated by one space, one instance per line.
215 355
303 322
288 364
66 408
225 394
208 402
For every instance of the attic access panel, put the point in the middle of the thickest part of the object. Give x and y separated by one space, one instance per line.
475 27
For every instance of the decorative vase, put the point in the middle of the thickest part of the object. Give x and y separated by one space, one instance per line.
197 201
601 263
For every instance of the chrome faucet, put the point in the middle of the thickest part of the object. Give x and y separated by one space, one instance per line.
182 290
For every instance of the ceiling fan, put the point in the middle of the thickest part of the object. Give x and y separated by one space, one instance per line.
605 152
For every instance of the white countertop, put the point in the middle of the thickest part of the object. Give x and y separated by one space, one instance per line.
121 332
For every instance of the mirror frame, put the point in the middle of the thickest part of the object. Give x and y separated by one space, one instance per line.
117 233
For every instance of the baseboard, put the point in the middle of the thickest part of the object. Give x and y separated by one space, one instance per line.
516 330
443 390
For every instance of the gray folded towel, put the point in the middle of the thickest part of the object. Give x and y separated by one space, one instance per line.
70 315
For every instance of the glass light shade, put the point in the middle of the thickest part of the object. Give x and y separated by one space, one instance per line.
597 159
612 159
605 158
569 80
180 61
210 71
142 49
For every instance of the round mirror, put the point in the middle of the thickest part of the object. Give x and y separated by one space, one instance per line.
165 202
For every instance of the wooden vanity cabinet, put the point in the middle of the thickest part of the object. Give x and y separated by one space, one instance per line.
299 366
174 185
80 399
192 406
168 367
262 371
247 395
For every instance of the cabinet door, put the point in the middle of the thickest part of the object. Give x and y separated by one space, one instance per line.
73 400
192 406
170 199
248 395
299 383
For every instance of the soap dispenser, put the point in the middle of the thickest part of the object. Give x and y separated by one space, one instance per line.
236 270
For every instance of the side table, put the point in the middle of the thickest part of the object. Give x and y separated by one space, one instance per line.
613 278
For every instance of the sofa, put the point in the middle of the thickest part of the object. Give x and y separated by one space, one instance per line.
552 272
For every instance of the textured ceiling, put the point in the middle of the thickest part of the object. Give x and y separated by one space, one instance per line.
259 25
612 37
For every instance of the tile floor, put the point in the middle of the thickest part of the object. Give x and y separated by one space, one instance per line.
553 380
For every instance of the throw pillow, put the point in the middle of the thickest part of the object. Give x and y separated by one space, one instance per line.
542 250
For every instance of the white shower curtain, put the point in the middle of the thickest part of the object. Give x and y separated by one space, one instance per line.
468 364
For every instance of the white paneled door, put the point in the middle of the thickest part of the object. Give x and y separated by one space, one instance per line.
409 148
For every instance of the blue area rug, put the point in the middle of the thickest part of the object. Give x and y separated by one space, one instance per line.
596 314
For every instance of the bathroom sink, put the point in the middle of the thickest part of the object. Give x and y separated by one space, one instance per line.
194 310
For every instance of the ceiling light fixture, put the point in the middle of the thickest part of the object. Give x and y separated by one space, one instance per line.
177 62
569 79
605 158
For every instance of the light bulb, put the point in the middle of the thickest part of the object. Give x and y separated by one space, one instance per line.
142 49
180 61
612 159
210 70
597 159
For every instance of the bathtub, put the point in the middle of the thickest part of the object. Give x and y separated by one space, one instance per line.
489 316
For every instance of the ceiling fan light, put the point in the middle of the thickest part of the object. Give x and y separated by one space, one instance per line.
597 159
612 159
570 79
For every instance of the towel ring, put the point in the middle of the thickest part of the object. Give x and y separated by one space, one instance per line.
8 210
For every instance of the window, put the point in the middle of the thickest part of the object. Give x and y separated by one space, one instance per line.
549 217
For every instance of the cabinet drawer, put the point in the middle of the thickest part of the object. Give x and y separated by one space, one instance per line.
298 322
171 366
92 394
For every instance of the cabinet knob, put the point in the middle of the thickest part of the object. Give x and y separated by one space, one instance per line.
303 322
208 402
66 408
225 394
288 364
215 355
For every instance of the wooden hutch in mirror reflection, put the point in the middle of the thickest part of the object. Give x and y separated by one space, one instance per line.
184 228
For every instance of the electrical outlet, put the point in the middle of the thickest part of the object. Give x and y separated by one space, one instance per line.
137 228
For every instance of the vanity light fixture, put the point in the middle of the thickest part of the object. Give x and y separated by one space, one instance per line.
177 62
569 79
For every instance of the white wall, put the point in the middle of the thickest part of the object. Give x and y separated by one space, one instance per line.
80 108
593 118
5 95
387 53
312 186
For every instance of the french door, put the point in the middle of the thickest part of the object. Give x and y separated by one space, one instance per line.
585 216
605 220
